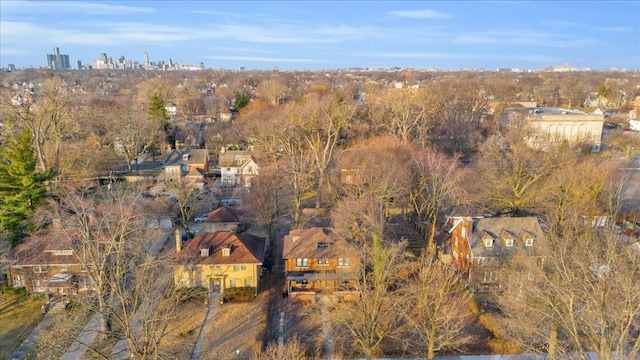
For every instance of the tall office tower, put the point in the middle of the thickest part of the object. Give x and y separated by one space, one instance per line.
146 58
79 65
57 61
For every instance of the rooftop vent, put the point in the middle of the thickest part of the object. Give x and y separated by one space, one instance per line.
323 245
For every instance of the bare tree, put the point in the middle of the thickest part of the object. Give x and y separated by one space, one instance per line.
375 181
435 188
439 303
272 90
375 315
187 200
514 174
47 117
320 123
291 350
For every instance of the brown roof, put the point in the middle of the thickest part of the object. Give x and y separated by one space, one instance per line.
41 250
230 158
303 243
221 215
245 249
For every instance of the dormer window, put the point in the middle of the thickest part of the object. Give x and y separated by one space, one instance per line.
204 252
488 242
238 161
226 251
528 242
508 242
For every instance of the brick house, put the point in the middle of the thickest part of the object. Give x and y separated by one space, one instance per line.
320 260
480 246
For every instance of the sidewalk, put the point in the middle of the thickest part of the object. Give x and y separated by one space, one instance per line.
211 310
86 337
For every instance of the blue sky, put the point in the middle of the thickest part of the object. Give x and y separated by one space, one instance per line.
327 34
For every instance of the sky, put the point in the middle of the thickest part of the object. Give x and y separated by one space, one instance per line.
327 34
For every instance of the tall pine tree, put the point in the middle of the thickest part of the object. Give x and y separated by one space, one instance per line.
21 187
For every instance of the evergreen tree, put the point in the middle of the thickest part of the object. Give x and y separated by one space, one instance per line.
158 113
242 99
21 187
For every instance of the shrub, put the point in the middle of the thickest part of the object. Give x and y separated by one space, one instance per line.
184 295
240 293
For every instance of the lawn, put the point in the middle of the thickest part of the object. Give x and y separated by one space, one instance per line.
19 314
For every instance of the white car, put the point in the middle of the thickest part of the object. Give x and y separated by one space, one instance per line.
201 218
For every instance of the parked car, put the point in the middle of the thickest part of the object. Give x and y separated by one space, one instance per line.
201 218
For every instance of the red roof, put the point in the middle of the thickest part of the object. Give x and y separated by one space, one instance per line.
221 215
245 249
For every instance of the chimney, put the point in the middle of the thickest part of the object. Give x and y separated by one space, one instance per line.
178 241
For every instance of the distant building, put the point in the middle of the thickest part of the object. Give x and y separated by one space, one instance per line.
57 61
553 125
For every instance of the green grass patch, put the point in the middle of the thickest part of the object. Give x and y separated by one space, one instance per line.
19 314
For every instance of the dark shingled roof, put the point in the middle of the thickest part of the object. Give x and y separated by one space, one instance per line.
196 157
501 228
303 243
245 249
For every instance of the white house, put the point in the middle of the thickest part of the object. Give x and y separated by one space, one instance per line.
237 168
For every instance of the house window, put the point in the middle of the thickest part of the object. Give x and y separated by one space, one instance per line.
40 269
509 242
224 226
238 161
232 283
323 245
18 280
528 242
239 267
323 261
343 262
488 242
247 283
302 262
226 251
185 168
204 252
35 284
63 268
303 282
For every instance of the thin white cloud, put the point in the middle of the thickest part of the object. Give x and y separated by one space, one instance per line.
88 8
618 29
260 59
216 13
420 14
522 37
459 56
241 49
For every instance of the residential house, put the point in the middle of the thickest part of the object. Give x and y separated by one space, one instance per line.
480 246
553 125
44 264
320 259
171 109
237 167
222 219
219 260
228 114
192 164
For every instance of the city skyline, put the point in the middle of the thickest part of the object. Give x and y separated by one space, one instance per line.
326 35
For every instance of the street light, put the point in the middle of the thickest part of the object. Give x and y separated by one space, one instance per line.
238 352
